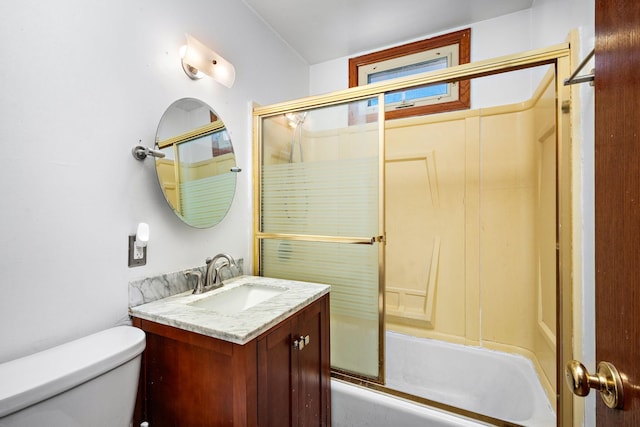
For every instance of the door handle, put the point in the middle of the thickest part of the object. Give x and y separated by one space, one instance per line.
607 381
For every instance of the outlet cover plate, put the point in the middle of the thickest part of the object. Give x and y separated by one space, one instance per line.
133 262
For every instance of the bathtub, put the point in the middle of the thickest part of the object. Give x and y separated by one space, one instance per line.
355 406
491 383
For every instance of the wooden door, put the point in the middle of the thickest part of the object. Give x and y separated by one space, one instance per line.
617 200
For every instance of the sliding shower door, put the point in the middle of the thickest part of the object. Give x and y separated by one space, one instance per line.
319 218
477 246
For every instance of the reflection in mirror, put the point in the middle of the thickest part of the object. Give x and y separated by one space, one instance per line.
198 173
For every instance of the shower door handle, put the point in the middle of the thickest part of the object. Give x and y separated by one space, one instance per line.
607 381
374 239
369 241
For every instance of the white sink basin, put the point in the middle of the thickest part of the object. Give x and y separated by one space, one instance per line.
238 299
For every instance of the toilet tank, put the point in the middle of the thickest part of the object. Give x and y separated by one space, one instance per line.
89 381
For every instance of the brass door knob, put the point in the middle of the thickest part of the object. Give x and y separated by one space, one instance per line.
607 381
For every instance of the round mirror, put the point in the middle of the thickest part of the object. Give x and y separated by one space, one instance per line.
198 172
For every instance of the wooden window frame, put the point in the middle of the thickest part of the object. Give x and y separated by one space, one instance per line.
462 38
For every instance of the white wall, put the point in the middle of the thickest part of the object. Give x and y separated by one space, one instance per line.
491 38
548 22
81 82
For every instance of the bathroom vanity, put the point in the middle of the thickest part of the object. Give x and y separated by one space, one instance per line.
211 362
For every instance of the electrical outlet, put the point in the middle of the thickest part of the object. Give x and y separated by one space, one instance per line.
138 252
137 255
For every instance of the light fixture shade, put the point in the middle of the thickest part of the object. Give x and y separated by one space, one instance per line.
198 58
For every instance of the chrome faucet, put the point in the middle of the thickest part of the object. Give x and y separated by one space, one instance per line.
212 278
198 288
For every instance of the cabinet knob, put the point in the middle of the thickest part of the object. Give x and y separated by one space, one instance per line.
301 342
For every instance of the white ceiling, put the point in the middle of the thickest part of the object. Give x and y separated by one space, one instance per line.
320 30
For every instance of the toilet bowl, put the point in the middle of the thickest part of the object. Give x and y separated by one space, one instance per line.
91 381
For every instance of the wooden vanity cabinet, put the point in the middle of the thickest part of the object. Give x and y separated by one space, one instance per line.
281 378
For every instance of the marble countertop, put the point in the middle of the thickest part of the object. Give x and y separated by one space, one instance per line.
240 327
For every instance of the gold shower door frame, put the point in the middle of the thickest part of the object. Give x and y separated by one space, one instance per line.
374 239
559 56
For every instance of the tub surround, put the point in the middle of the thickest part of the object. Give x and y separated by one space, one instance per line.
150 289
238 328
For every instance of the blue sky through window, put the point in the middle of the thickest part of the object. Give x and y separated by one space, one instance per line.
408 70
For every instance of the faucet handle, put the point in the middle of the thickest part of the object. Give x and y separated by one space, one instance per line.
196 273
197 289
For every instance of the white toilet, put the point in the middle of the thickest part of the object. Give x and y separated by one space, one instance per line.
92 381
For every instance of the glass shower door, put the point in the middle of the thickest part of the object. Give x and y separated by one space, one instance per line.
486 231
319 218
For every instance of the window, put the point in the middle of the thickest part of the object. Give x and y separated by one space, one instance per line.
414 58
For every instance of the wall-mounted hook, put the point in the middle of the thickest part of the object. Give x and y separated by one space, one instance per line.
141 152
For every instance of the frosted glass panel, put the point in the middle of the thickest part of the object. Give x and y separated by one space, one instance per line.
330 197
320 173
319 183
352 272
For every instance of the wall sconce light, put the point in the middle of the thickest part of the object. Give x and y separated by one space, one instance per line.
198 60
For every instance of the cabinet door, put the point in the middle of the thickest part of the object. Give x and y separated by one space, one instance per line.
294 370
188 383
276 377
313 365
188 379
